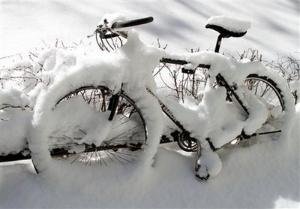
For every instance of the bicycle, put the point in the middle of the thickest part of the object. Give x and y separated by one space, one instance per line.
106 110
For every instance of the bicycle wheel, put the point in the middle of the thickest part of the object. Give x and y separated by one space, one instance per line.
269 93
79 131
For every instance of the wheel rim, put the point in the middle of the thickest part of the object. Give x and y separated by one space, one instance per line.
265 90
124 144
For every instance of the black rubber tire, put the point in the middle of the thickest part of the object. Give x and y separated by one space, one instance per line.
276 103
272 84
121 150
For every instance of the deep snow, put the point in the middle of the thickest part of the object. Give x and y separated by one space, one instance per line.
264 175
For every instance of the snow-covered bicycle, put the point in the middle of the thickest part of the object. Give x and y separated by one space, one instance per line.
105 109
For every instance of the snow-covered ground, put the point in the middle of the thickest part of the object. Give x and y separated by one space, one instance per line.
25 24
264 175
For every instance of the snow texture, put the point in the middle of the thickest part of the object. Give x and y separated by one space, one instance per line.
229 23
14 121
126 66
225 122
132 66
265 175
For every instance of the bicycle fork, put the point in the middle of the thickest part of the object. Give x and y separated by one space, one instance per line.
112 106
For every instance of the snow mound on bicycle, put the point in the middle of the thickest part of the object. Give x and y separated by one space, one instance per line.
223 125
232 24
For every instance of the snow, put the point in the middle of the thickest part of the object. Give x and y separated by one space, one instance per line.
13 97
14 126
128 66
16 118
28 24
263 175
230 23
226 122
258 115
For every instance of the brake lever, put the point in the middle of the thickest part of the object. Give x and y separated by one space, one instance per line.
95 32
122 33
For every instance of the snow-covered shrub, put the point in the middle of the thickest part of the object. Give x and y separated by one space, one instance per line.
178 84
289 67
22 77
286 66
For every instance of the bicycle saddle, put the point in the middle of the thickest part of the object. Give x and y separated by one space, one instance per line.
228 27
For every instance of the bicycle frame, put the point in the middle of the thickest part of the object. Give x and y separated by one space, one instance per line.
185 134
221 81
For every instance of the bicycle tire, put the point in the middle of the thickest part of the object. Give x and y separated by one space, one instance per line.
122 147
268 91
272 84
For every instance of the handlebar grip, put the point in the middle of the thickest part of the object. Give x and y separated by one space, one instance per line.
112 35
173 61
130 23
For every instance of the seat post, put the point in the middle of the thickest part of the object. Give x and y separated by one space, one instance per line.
218 44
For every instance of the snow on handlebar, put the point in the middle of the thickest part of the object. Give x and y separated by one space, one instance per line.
104 28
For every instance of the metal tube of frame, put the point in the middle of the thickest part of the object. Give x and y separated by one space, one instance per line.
218 44
167 111
224 83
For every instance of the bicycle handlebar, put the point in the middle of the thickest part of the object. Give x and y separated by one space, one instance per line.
130 23
118 25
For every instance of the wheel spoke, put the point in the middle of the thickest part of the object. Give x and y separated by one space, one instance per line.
266 91
124 142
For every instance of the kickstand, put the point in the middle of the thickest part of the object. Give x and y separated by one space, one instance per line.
197 157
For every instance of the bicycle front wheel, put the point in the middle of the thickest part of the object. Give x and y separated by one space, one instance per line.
91 126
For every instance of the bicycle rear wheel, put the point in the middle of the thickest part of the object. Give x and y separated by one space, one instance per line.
79 131
267 91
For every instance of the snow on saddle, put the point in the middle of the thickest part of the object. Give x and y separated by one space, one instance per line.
227 26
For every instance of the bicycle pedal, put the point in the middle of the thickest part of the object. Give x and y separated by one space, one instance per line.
200 178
